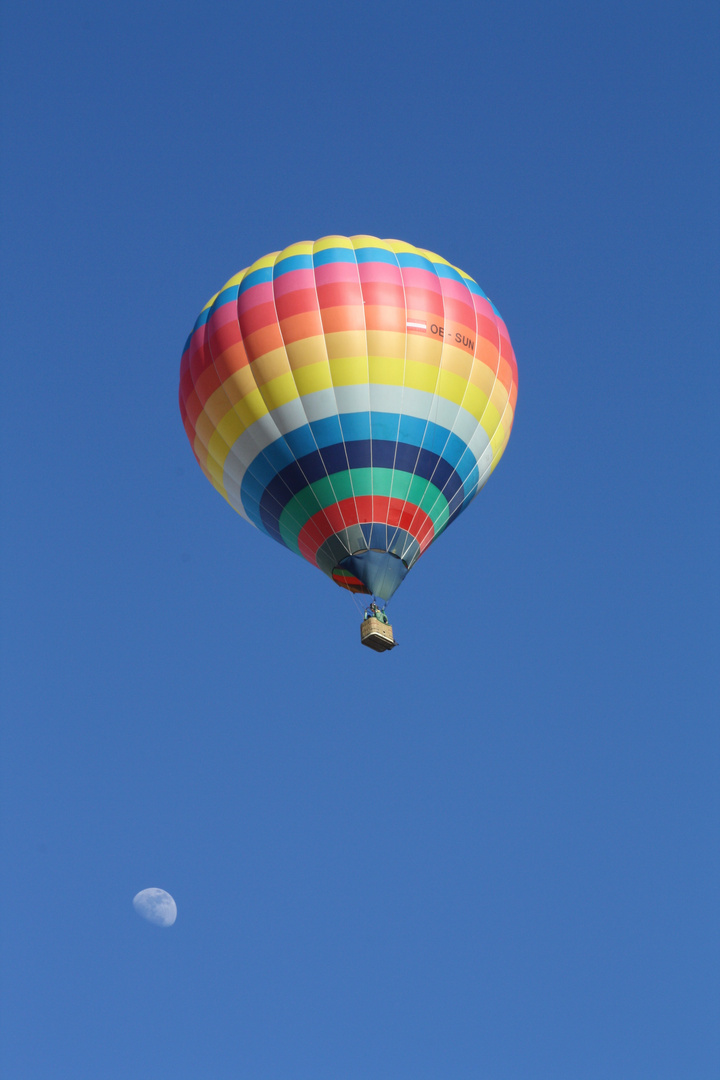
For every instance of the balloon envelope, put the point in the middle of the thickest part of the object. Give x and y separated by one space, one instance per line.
349 397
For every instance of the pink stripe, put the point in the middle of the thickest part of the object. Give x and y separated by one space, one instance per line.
295 279
380 272
455 291
483 307
197 341
257 294
420 279
224 314
331 273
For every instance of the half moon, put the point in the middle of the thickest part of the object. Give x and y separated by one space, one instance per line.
157 906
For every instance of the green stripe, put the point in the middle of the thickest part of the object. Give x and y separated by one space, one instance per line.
385 482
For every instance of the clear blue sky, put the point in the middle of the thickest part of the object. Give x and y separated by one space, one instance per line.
493 853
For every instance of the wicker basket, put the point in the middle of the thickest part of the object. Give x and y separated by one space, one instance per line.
377 635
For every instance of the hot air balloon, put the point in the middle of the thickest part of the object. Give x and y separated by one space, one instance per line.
350 397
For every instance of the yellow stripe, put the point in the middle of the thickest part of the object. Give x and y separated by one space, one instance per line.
236 279
490 420
251 408
267 260
349 370
434 258
332 242
506 428
420 376
228 430
444 262
213 481
386 370
215 469
452 386
278 392
303 247
211 301
283 385
475 402
312 378
400 247
359 242
499 446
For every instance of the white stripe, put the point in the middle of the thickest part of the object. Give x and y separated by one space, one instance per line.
266 429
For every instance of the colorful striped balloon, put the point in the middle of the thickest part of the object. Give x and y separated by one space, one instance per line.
349 398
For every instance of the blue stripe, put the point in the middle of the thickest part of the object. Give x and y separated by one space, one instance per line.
442 270
201 320
227 296
325 432
276 457
292 262
333 255
356 426
375 255
407 258
303 441
258 277
474 287
401 457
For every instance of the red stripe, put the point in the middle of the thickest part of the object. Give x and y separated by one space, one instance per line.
340 294
381 293
256 318
296 303
359 511
424 300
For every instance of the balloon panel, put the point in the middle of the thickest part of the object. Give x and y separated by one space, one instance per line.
350 396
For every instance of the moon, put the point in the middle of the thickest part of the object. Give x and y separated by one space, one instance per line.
157 906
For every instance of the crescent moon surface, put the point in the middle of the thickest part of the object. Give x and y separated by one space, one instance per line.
157 906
